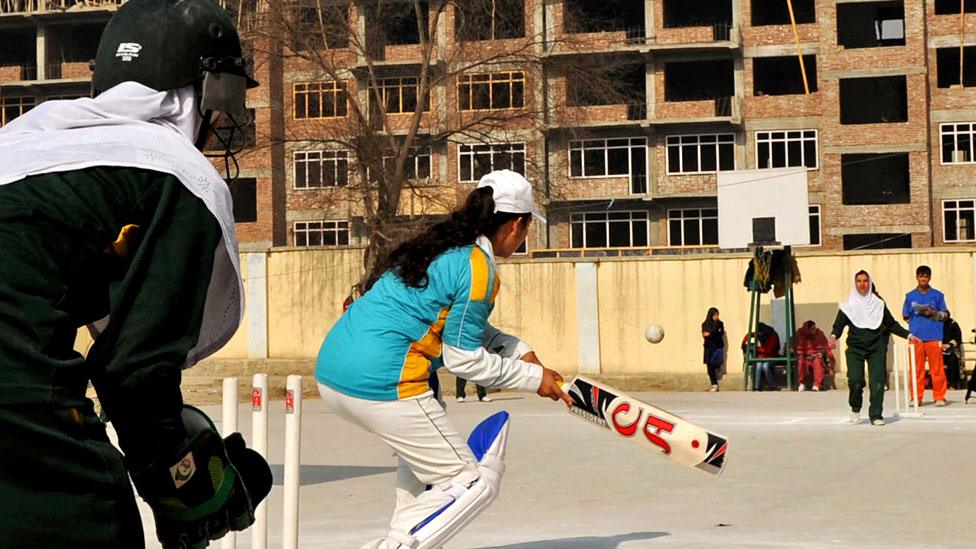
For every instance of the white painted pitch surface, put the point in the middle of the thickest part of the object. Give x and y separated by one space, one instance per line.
747 194
799 475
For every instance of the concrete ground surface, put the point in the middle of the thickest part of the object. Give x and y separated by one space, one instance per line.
799 475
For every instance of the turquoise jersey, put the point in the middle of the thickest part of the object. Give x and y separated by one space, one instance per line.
385 346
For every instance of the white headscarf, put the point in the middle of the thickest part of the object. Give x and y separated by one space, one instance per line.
135 126
864 311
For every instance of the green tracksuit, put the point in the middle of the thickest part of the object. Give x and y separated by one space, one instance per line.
61 483
869 345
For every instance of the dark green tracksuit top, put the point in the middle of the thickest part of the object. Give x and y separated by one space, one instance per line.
865 338
59 271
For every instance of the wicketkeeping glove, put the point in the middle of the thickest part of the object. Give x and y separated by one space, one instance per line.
204 489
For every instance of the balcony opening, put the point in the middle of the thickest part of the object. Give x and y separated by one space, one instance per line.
877 241
609 83
18 49
950 7
312 28
700 13
392 23
876 100
947 67
489 20
699 80
874 179
871 24
604 16
782 75
776 12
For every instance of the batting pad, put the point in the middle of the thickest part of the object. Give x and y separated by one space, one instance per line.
487 442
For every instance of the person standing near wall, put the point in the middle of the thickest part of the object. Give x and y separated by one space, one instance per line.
924 309
713 331
868 320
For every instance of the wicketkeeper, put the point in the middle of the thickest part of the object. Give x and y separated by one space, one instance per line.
110 215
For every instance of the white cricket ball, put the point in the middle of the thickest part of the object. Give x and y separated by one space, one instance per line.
654 333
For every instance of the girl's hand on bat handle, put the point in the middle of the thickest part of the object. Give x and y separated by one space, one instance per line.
552 386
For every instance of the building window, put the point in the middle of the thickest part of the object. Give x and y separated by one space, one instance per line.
876 178
782 75
244 196
877 241
321 233
776 12
227 135
693 227
786 149
700 153
319 169
958 218
873 100
609 229
12 107
399 95
523 248
319 99
957 143
417 165
476 161
815 236
489 19
947 67
951 7
500 90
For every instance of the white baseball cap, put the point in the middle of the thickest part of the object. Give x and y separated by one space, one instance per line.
512 193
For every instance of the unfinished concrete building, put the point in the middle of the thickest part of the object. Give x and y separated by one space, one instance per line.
621 111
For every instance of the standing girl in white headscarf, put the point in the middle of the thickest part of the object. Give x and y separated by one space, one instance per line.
869 321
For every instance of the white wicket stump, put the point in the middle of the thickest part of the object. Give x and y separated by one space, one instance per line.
905 369
258 441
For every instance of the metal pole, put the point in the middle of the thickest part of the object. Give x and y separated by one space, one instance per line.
911 360
229 425
259 441
799 51
897 367
293 430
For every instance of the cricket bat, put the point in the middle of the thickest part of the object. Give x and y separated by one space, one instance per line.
647 426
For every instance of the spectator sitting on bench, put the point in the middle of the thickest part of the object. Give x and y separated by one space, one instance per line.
767 347
811 355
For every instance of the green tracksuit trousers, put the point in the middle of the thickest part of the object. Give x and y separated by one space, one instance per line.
877 375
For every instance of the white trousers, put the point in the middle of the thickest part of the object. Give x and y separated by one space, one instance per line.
431 452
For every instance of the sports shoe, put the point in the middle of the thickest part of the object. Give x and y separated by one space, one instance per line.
855 417
941 403
815 388
486 398
877 422
800 388
460 399
713 389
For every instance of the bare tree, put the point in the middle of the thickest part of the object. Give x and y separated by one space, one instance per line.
465 71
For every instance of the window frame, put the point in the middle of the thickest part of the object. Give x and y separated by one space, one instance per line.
819 216
632 143
957 209
489 79
633 215
698 145
16 101
337 229
461 153
701 218
417 155
338 90
786 140
387 83
955 134
321 160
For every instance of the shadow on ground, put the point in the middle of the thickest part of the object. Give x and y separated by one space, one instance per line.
320 474
583 542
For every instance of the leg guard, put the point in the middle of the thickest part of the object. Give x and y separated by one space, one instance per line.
470 496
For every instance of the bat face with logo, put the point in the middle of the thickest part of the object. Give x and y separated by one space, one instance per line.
647 426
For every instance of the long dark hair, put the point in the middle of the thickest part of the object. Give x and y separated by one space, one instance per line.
474 218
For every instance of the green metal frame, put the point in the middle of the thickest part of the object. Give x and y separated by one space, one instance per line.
755 302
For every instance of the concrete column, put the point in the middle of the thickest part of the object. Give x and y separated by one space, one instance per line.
41 52
256 298
649 32
587 318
